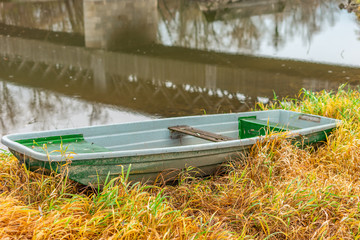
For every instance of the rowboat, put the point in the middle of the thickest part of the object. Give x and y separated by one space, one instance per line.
149 148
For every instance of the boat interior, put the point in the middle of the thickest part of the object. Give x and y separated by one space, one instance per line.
172 132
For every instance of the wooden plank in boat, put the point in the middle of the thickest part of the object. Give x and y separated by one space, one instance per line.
200 133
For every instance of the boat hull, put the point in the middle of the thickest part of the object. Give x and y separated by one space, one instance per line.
151 151
148 168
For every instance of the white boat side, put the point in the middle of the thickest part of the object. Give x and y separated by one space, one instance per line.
153 137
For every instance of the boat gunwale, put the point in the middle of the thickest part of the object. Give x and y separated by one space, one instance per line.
11 144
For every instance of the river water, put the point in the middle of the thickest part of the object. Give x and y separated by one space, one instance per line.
74 63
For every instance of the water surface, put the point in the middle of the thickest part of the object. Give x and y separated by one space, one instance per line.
75 63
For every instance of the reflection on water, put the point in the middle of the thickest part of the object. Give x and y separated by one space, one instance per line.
25 109
115 25
91 59
57 16
275 28
283 29
166 85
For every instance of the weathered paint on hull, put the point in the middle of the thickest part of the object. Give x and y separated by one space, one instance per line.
142 168
313 138
148 167
149 148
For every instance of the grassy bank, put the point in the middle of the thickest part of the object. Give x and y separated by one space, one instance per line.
277 192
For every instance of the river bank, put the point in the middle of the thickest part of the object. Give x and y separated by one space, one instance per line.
277 191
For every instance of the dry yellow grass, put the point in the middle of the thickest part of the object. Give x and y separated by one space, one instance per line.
278 191
46 207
